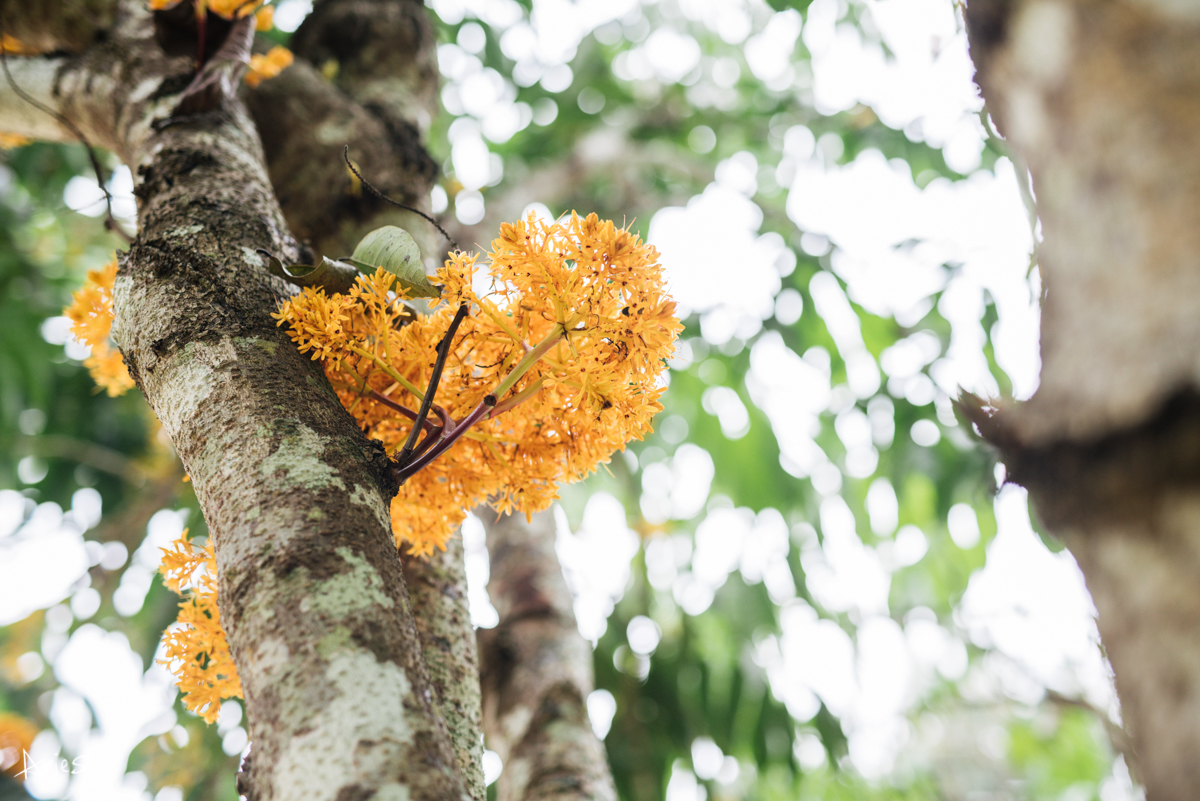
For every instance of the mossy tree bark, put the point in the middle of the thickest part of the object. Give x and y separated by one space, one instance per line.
1102 101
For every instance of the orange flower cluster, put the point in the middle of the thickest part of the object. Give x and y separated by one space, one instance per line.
92 317
263 67
551 372
196 649
15 47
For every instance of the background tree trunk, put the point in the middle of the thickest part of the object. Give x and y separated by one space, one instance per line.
1103 103
537 671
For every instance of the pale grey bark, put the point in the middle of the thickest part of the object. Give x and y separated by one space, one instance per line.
438 589
338 699
1102 101
537 671
36 77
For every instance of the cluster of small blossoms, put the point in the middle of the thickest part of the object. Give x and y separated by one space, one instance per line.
552 371
91 316
195 648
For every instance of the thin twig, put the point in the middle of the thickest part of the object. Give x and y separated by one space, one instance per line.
110 221
381 196
443 352
406 472
396 407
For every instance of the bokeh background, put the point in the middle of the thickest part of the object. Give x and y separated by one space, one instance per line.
810 582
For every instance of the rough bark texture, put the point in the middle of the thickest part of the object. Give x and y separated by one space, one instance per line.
537 672
1102 100
305 123
381 54
437 587
384 54
337 695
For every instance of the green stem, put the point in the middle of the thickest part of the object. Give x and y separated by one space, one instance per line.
387 368
529 360
516 400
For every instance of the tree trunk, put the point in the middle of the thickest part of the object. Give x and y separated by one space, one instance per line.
337 695
537 672
1102 100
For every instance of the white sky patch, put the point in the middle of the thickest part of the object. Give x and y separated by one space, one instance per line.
290 13
41 562
893 239
595 561
792 392
843 574
715 261
677 488
770 53
667 54
1033 606
923 88
479 570
728 539
83 194
129 703
163 529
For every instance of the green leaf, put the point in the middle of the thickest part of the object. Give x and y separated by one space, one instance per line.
394 250
335 276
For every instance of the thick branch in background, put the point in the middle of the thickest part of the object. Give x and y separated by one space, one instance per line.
437 587
537 671
380 100
1103 103
305 123
383 53
57 25
337 696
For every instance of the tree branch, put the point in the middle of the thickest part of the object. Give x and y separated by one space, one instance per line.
537 672
305 123
35 76
384 56
57 25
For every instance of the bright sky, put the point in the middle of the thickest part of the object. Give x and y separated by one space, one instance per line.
887 238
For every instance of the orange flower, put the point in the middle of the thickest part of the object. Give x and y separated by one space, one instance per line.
92 317
263 67
196 649
264 18
14 47
11 140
